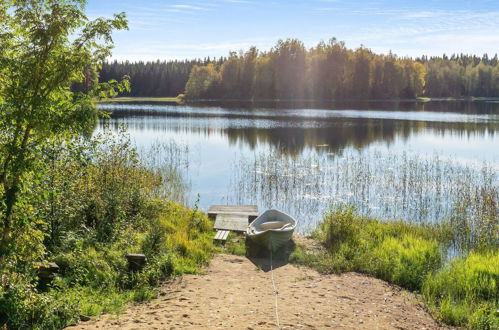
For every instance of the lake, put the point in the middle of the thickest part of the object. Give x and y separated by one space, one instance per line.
396 160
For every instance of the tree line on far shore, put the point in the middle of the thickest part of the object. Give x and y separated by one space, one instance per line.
327 71
154 79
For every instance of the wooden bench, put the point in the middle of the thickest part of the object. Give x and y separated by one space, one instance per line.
222 235
231 218
232 222
249 211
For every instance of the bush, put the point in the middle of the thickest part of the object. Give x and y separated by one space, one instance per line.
340 225
24 308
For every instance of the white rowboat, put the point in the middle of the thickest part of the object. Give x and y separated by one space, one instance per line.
272 229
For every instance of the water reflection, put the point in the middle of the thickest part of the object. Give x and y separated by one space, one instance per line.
227 141
292 135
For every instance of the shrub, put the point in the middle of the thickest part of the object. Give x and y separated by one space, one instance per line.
24 308
340 225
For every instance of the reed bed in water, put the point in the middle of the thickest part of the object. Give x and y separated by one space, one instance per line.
171 160
417 189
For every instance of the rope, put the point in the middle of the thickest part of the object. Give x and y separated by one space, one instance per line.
276 292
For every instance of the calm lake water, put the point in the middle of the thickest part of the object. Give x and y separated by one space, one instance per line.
412 161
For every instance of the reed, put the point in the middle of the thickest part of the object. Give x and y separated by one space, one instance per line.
416 189
171 160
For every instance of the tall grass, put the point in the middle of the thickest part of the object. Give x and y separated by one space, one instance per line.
395 251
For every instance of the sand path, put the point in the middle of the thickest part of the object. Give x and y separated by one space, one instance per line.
235 293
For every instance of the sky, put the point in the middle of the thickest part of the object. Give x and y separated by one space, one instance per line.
186 29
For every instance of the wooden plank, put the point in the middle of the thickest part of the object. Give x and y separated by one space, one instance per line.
232 222
222 235
250 210
233 208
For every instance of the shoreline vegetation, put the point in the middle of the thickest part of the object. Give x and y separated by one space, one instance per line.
180 99
460 291
102 203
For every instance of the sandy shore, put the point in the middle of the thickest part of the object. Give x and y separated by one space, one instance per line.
238 293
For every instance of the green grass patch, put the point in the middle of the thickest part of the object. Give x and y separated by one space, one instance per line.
398 252
301 255
235 244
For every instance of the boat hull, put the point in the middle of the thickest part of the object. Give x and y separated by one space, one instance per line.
272 230
273 240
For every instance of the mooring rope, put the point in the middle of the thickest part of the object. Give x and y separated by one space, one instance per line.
276 292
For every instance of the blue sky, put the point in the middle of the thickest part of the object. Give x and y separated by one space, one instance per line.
197 28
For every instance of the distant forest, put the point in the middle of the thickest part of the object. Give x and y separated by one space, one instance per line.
159 78
326 71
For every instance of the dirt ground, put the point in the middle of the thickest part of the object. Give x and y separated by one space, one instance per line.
238 293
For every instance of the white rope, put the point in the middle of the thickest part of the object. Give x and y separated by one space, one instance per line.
276 292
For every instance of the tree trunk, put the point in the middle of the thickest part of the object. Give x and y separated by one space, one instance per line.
10 196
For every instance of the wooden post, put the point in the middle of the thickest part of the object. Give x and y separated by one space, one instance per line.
136 262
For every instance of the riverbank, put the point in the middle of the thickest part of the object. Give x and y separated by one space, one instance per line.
353 272
140 99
